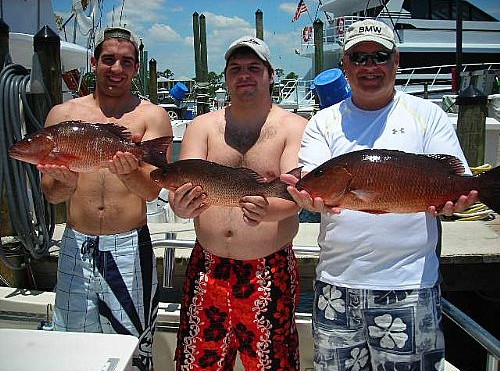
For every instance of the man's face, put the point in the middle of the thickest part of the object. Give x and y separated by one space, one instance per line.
247 76
371 71
115 67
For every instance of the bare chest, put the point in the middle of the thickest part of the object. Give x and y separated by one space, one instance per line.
262 154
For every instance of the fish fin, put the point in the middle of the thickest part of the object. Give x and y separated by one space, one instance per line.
59 159
456 166
365 196
489 188
378 212
255 175
120 131
155 150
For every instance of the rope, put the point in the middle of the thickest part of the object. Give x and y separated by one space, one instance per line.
32 217
478 211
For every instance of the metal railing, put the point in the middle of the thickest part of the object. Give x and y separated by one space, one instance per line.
436 78
476 332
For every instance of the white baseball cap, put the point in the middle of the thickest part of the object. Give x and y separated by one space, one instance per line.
369 30
257 45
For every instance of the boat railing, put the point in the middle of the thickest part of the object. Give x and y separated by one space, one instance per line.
471 327
171 244
295 94
476 332
418 80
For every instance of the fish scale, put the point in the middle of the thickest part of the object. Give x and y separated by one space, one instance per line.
223 185
386 181
83 146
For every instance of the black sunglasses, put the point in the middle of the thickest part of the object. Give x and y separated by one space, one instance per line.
360 58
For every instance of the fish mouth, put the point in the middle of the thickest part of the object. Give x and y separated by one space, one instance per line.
15 153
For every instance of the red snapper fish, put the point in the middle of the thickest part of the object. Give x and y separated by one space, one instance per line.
223 185
385 181
83 147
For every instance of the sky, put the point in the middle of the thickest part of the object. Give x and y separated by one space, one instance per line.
166 28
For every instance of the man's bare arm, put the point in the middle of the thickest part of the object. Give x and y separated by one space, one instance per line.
126 167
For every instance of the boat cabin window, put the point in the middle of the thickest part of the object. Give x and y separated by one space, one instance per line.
445 10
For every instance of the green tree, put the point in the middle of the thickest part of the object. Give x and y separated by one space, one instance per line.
279 73
292 76
168 74
88 80
215 80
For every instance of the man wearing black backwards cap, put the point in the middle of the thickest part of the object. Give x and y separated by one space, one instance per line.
241 286
377 297
106 279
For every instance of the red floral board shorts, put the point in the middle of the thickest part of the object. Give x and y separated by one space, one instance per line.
233 305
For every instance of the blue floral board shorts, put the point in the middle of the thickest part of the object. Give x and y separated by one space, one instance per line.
358 330
108 284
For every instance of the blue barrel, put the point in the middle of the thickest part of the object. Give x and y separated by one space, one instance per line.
331 87
179 91
189 115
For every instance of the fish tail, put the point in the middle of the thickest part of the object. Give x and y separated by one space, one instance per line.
277 188
155 150
489 188
297 172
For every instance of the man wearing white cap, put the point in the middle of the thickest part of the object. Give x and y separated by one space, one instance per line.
241 286
377 296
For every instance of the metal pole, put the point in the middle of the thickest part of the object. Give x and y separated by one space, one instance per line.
259 24
196 39
203 48
318 46
153 84
459 43
4 42
47 45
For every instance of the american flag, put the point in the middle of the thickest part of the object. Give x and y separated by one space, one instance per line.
301 8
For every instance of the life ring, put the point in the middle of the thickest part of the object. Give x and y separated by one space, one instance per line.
307 33
340 25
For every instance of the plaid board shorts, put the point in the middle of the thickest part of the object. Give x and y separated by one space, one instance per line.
357 329
245 306
108 284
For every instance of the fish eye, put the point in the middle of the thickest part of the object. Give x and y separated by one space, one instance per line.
318 173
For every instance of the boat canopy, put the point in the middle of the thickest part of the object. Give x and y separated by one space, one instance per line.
345 7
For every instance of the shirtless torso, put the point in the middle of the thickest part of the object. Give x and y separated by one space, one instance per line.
108 201
101 203
270 149
251 132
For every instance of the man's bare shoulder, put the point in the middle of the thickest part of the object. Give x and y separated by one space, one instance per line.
208 120
69 110
151 108
287 117
154 119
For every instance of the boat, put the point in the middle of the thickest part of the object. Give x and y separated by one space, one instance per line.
426 37
28 279
29 309
26 19
426 31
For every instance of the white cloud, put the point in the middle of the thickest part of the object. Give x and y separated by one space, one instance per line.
288 7
162 33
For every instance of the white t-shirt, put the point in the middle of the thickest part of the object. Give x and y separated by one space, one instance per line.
383 251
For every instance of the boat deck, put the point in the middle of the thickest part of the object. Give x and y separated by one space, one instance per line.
470 255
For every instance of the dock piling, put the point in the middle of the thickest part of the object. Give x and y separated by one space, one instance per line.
471 124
